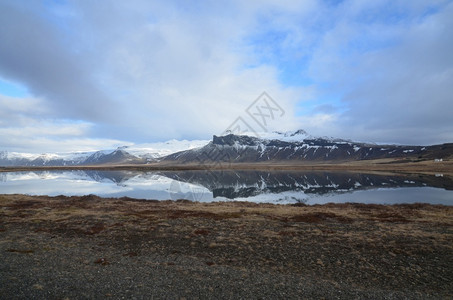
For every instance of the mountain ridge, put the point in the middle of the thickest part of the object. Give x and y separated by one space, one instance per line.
247 149
234 148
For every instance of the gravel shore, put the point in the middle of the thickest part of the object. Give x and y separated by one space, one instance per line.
90 247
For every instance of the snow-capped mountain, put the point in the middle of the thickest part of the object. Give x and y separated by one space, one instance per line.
13 159
46 159
132 154
287 136
298 146
115 157
153 151
230 148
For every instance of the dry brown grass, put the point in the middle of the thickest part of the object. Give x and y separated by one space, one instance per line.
99 214
378 165
366 246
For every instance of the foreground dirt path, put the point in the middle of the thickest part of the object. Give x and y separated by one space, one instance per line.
88 247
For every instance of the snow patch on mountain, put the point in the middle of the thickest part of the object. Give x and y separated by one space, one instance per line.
287 136
160 149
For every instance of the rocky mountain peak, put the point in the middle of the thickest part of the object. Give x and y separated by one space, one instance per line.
232 139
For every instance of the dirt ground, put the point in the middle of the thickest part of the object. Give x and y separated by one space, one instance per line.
89 247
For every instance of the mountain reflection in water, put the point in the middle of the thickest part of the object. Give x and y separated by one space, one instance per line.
233 184
259 186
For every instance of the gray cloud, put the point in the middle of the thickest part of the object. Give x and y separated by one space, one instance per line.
32 52
407 98
152 70
397 91
159 71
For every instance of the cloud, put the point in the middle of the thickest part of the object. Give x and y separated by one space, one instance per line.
20 111
48 129
34 52
142 71
26 125
39 144
396 85
180 74
150 70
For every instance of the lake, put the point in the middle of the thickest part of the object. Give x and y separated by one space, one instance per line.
254 186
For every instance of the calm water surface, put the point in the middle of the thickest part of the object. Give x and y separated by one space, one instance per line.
254 186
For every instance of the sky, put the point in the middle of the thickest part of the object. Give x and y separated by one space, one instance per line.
89 75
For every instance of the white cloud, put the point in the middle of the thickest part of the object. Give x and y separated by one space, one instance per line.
178 75
20 111
62 145
45 128
26 126
150 70
394 77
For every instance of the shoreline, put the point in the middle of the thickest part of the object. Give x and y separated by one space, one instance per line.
383 165
92 247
